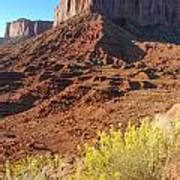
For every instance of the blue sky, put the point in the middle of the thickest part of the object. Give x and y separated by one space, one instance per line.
32 9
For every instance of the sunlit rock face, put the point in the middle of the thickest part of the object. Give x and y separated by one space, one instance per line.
69 8
141 12
26 28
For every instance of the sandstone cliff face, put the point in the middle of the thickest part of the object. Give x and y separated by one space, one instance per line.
26 28
141 12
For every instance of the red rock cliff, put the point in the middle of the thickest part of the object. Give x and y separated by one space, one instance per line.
25 27
141 12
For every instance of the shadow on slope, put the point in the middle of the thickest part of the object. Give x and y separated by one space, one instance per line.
10 81
12 108
151 33
118 44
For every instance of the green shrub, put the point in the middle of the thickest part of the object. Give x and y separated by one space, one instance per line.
141 153
33 168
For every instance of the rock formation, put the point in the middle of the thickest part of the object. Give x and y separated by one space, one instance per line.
26 28
140 12
164 120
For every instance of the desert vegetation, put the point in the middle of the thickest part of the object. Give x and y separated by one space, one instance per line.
145 152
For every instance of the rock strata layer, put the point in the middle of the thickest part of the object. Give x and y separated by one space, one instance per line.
26 28
141 12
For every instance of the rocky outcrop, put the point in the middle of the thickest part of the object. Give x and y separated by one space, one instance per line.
26 28
164 121
141 12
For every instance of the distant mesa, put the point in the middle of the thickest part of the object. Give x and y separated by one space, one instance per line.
139 12
26 28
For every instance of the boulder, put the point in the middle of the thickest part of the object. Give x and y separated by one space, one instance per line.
164 121
174 112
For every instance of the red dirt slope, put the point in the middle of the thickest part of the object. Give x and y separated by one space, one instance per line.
58 89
